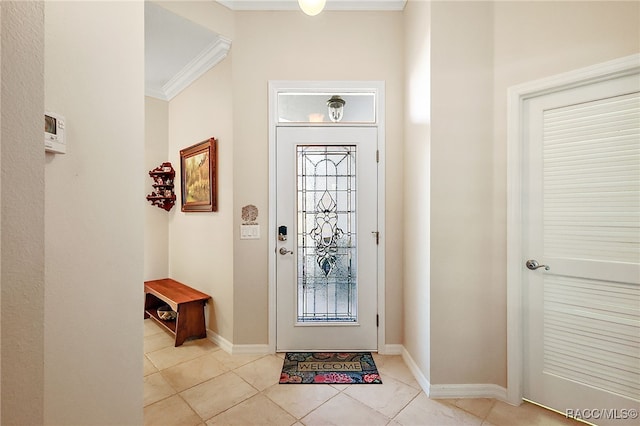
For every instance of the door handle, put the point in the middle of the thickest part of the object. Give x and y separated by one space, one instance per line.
283 251
533 265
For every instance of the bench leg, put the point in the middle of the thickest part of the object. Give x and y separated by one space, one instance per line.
190 321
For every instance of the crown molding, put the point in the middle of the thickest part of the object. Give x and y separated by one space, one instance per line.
202 63
207 59
344 5
154 92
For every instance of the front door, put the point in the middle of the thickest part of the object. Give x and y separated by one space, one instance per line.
326 267
582 221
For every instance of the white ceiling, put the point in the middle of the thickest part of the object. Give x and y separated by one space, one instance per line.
178 51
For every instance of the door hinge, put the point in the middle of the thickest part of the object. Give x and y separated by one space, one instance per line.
377 320
377 156
377 235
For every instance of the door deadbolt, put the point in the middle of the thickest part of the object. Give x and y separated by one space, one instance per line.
282 233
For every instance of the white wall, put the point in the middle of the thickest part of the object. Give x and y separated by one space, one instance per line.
417 122
156 220
201 244
22 213
292 46
94 75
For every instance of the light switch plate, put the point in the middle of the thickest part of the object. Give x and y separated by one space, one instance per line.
249 232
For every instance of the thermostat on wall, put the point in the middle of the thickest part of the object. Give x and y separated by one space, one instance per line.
54 133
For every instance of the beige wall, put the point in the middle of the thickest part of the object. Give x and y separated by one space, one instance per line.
534 40
417 123
291 46
1 37
478 51
201 244
22 241
465 347
94 223
460 59
205 249
156 220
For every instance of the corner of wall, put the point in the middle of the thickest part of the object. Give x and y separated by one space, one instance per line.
156 220
22 243
417 175
462 218
201 243
94 242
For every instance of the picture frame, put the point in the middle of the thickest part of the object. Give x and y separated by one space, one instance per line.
199 176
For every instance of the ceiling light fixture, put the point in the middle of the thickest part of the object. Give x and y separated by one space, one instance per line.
336 108
311 7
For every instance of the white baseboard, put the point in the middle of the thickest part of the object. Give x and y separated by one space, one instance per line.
417 373
250 350
433 391
476 390
391 349
223 343
232 349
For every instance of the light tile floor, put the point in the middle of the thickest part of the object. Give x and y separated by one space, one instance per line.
199 384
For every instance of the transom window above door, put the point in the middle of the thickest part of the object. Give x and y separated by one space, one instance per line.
298 107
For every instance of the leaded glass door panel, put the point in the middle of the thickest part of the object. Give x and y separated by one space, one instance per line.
327 266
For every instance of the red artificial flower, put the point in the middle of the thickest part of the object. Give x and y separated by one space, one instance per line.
332 378
286 378
370 378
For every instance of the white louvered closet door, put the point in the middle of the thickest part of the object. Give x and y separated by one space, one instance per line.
582 316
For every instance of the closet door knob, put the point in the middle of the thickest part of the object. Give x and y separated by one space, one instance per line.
533 265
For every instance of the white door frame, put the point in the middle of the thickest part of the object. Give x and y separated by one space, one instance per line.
516 110
376 87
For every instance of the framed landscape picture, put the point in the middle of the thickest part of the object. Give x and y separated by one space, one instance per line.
199 177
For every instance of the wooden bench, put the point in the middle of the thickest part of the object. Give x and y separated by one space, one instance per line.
186 301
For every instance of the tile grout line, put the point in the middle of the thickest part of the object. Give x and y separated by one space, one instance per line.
339 392
285 410
492 407
191 408
263 392
405 406
493 404
239 402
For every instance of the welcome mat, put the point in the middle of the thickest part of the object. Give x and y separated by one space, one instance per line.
329 367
